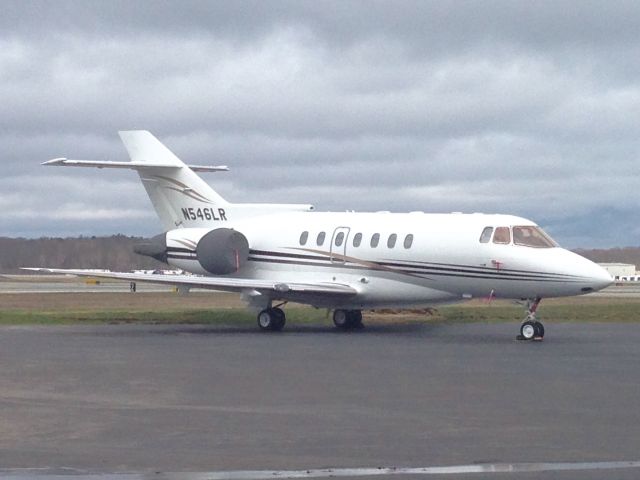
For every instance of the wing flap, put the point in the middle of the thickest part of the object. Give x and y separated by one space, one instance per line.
214 283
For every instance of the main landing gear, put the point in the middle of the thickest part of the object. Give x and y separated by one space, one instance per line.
531 328
271 319
347 319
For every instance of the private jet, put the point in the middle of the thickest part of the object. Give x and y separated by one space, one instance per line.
346 262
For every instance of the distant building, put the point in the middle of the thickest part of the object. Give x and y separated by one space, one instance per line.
622 272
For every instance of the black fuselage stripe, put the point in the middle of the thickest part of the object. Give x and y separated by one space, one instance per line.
288 255
409 268
504 273
180 250
416 270
336 265
430 269
181 257
404 272
471 269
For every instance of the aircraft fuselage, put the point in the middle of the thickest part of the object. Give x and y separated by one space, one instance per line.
399 259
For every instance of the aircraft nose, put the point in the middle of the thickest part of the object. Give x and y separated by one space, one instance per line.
599 277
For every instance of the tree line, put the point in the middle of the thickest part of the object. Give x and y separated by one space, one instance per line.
113 253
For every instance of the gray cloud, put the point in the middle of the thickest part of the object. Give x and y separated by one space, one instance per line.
513 107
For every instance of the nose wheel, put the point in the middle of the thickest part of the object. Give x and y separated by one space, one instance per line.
531 328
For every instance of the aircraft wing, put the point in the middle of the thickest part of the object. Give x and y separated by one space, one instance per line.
214 283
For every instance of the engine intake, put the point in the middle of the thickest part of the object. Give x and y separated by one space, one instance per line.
222 251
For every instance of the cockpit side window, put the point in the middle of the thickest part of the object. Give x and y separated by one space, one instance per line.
532 236
502 235
485 236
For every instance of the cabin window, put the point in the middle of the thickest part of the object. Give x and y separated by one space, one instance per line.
320 239
531 236
375 239
303 238
502 235
391 241
408 241
357 239
486 235
339 239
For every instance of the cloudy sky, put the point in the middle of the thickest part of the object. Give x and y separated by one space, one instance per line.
528 108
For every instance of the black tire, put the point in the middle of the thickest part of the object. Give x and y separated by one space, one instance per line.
356 319
279 319
528 330
539 329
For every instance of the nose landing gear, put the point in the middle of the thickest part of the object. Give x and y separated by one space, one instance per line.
531 328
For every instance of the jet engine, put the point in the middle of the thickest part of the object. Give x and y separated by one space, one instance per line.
222 251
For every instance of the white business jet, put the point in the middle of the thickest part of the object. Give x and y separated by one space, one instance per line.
278 253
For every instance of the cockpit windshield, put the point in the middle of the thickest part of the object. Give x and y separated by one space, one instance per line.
531 236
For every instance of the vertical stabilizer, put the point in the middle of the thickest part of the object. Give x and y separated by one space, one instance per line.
143 147
179 196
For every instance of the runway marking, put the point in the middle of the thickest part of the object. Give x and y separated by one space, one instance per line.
73 474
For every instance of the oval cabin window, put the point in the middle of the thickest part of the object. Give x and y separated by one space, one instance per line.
375 239
320 239
357 239
391 242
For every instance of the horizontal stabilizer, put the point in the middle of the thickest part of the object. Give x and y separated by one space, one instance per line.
214 283
65 162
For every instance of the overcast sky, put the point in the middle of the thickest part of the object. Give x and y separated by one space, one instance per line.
527 108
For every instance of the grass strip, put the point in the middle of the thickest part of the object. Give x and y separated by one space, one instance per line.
615 311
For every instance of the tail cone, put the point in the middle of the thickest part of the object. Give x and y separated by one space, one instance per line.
155 247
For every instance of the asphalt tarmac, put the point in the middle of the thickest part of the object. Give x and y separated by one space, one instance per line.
144 399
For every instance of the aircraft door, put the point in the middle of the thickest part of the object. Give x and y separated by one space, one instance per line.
339 244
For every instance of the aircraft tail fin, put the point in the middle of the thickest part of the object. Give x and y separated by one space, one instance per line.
179 196
143 147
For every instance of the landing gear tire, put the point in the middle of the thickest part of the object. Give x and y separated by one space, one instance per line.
341 319
531 328
528 330
272 319
347 319
356 319
280 319
539 330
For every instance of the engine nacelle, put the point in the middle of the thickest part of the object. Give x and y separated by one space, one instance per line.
222 251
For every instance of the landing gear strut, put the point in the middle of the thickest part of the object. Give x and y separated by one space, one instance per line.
347 319
271 319
531 328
